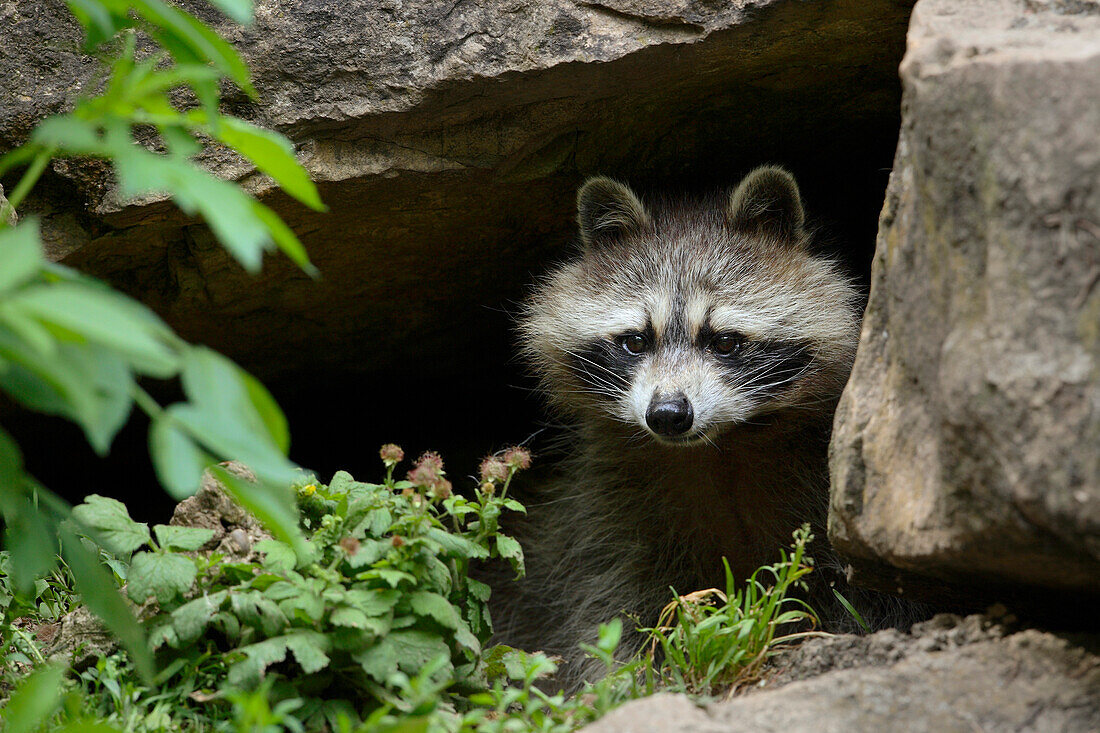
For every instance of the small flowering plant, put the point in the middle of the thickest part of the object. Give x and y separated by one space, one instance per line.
376 608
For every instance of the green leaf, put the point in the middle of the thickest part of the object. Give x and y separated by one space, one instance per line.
221 388
165 576
99 23
182 538
189 40
69 134
190 620
248 672
434 606
225 207
20 254
11 468
370 552
379 522
416 648
466 639
110 379
85 383
304 605
278 556
509 548
30 539
391 577
50 383
284 238
478 590
270 152
35 700
227 437
373 602
852 611
30 532
268 410
25 328
309 647
111 524
97 589
350 617
104 317
380 660
178 461
233 416
259 611
456 545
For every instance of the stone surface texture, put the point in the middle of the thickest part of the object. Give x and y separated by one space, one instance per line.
967 444
949 675
448 139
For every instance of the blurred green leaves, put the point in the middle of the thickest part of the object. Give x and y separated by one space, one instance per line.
73 347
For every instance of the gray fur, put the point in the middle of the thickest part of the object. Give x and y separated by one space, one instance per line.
631 514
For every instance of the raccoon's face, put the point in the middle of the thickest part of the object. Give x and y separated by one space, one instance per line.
687 321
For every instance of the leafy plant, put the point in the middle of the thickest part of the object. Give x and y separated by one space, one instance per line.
515 702
71 346
379 616
711 641
381 628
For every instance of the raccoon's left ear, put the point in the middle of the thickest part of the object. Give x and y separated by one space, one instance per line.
767 201
607 211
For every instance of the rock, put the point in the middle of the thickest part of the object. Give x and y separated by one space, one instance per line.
236 531
966 444
81 640
949 675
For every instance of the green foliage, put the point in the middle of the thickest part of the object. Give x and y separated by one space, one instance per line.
711 641
38 696
377 611
379 628
71 346
515 702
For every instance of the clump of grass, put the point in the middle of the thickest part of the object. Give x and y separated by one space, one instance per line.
709 640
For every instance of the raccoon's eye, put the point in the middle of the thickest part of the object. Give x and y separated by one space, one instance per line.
634 343
727 344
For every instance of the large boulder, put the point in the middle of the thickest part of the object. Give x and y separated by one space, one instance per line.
967 444
949 676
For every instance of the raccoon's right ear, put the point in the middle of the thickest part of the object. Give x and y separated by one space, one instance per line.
607 211
767 201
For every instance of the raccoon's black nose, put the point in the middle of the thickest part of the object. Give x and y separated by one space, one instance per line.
670 416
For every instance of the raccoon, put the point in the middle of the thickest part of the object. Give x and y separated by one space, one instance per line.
697 352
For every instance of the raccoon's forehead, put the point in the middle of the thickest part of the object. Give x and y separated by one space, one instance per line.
793 301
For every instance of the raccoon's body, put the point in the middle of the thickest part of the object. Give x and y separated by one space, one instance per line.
697 351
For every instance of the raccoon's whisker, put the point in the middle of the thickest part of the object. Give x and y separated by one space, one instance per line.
776 368
597 378
617 377
707 439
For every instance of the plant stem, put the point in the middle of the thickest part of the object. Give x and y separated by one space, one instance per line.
145 401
